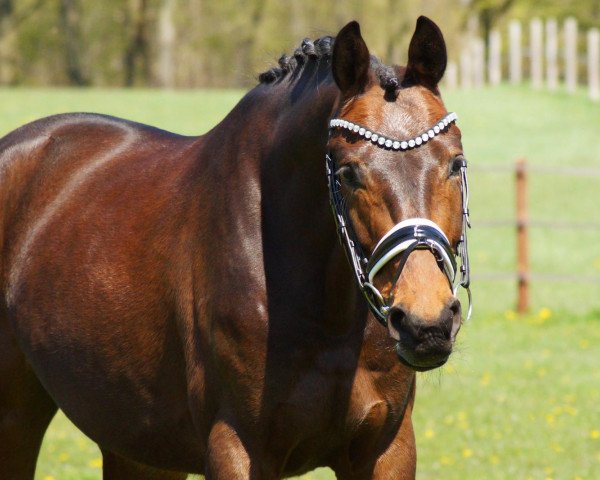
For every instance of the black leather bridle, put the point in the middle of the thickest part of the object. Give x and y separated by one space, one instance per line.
405 237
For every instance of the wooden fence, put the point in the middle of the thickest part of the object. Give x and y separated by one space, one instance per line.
548 54
523 223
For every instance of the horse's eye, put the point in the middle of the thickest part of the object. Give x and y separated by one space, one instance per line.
348 175
457 163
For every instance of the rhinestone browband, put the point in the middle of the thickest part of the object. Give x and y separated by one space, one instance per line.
385 142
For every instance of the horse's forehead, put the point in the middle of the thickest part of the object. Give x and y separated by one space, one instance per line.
413 110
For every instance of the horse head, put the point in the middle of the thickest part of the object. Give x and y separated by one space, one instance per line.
398 182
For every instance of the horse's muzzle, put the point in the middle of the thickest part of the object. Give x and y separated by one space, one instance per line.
424 345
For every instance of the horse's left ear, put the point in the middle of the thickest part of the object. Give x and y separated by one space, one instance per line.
427 55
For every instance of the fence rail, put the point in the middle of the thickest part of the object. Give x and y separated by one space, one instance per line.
546 53
523 223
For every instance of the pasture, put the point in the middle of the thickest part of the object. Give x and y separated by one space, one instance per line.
520 397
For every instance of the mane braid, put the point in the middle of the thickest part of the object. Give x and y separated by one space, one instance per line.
308 50
319 50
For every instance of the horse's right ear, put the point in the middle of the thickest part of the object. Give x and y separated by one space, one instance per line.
350 60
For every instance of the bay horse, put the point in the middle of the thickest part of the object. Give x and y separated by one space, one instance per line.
187 301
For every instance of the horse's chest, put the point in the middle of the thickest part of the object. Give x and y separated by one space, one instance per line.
330 405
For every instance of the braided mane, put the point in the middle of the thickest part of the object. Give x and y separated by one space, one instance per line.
318 51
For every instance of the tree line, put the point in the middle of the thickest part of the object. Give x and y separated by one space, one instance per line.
221 43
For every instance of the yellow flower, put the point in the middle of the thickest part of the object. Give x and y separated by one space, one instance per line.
429 433
446 460
595 434
584 344
96 463
485 379
63 457
557 448
544 314
467 453
449 369
49 477
494 459
510 315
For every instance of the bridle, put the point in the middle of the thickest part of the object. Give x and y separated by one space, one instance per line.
406 236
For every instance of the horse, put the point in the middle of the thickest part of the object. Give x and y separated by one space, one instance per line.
248 304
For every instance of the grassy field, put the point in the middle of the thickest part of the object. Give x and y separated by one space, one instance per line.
521 396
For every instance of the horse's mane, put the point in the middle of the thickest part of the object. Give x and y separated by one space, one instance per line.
319 51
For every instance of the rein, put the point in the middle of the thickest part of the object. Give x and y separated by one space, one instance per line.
406 236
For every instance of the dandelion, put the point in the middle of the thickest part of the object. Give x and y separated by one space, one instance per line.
544 314
448 420
510 315
557 448
595 434
494 459
571 410
447 460
49 477
96 463
449 369
63 457
429 433
584 344
467 453
542 372
550 419
485 379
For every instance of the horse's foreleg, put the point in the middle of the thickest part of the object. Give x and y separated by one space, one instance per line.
115 467
228 458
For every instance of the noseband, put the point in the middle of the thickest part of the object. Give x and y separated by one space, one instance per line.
406 236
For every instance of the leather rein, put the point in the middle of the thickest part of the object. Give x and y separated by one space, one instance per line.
406 236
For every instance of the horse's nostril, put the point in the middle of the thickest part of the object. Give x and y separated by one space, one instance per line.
454 318
397 319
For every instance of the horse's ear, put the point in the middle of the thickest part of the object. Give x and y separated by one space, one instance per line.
350 60
427 55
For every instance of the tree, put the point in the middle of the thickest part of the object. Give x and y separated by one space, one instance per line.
70 21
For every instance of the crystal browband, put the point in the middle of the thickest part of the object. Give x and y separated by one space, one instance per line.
385 142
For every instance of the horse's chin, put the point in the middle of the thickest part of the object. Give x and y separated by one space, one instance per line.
419 365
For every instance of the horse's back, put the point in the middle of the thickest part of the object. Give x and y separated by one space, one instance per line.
75 166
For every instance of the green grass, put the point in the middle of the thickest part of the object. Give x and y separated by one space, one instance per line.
520 397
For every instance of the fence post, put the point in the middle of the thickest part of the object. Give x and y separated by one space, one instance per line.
478 62
451 76
593 63
466 69
494 59
536 46
571 54
514 32
522 234
551 54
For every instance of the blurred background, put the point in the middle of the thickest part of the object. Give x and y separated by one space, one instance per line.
520 398
204 43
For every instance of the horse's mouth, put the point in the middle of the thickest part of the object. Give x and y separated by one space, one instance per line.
423 364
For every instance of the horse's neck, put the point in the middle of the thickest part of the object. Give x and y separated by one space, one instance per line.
308 276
